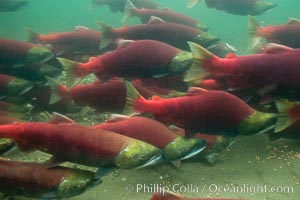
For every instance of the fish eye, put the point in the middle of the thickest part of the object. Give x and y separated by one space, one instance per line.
143 156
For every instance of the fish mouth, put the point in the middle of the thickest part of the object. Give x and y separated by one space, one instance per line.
194 152
152 161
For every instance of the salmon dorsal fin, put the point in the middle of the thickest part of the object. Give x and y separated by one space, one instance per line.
156 98
273 48
167 9
293 21
81 28
124 43
116 118
193 91
60 118
155 20
231 56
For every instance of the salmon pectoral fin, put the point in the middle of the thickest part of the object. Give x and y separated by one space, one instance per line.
284 120
197 72
103 172
192 3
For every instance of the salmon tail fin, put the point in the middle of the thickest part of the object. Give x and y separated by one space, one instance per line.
192 3
284 120
197 73
32 35
128 11
70 67
106 32
254 41
167 195
55 95
131 95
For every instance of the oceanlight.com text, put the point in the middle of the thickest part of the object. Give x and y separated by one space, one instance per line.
209 188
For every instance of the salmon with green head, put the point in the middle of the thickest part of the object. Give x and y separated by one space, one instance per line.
33 180
13 86
68 141
174 147
131 59
15 53
204 111
284 34
158 29
265 73
165 14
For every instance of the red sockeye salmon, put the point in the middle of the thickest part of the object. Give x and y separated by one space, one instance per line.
211 112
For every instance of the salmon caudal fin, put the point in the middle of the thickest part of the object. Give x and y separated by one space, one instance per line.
131 95
55 92
167 195
32 35
128 11
70 68
197 73
106 39
284 120
254 41
192 3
